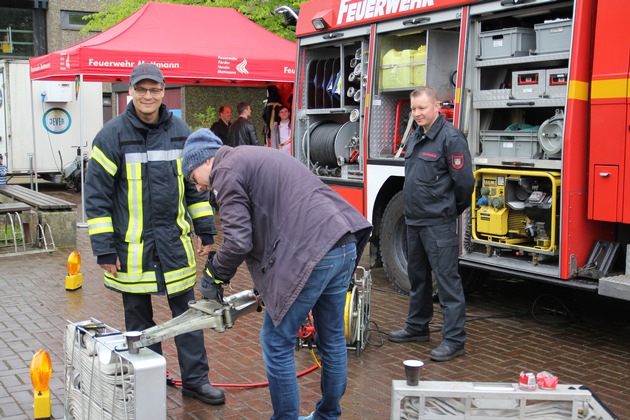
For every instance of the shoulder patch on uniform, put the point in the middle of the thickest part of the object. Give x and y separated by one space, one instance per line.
457 161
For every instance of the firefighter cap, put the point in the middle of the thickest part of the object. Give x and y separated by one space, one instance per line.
146 71
200 146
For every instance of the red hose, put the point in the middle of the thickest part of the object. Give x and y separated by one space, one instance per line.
309 370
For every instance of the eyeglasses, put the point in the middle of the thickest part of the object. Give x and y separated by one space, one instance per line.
143 91
192 179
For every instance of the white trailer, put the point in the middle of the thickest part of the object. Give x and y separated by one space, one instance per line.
44 125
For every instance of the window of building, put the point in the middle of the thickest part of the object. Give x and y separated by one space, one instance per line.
16 33
74 20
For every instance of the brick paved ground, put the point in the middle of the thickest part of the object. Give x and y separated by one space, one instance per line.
512 326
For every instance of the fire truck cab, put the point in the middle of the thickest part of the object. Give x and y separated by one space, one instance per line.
539 88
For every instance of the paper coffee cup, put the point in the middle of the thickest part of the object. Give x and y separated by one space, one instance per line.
412 371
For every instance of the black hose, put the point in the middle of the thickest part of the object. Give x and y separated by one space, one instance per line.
322 144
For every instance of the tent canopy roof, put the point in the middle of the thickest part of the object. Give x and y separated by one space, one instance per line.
191 44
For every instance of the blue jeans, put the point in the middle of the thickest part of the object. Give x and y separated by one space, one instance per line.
325 293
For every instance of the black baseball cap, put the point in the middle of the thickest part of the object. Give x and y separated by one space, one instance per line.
146 71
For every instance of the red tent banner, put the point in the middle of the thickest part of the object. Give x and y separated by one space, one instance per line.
191 44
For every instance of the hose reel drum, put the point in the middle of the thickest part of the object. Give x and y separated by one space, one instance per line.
334 144
356 312
551 135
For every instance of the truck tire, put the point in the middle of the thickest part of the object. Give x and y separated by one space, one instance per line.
394 244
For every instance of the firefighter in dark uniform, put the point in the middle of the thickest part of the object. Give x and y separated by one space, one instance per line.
438 187
140 209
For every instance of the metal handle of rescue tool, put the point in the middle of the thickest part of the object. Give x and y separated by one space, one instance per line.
203 314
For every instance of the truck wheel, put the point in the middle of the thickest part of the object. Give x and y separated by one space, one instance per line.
394 244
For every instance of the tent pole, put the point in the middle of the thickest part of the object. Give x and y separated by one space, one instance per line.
33 159
82 223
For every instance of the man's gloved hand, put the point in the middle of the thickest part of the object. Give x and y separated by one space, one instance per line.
211 287
211 290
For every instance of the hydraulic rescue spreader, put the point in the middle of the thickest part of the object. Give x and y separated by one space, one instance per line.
201 315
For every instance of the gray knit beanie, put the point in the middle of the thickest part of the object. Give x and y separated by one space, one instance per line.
200 146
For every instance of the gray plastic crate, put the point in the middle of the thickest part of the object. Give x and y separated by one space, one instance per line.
528 84
556 82
553 37
504 43
509 144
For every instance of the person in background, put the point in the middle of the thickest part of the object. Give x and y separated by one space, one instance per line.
220 128
242 131
3 171
301 241
270 113
281 131
140 210
438 187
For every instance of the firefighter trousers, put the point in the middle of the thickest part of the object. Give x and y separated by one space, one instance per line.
435 249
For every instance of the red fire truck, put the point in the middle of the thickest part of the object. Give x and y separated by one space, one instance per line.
540 88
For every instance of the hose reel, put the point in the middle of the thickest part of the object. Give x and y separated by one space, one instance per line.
356 314
332 144
357 311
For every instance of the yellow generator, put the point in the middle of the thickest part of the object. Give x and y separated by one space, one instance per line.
516 210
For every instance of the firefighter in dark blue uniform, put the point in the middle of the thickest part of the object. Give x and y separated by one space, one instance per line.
438 187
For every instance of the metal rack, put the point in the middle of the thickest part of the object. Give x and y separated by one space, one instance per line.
437 400
104 380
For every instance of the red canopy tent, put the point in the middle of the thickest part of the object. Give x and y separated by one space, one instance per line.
191 44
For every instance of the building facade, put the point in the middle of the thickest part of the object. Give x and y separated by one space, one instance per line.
29 28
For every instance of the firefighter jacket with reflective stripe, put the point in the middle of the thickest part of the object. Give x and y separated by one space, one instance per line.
140 207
